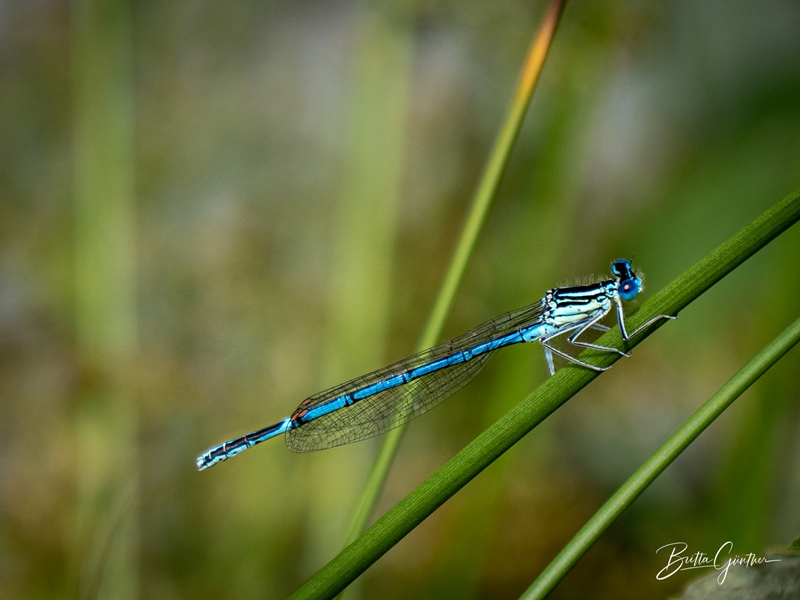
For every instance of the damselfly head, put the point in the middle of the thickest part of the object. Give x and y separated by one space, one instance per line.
628 283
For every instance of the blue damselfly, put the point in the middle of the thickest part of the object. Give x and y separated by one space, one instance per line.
372 404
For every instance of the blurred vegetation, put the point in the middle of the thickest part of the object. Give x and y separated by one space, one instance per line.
662 458
300 171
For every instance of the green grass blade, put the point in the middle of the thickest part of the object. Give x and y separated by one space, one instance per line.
104 549
506 432
493 173
660 460
362 246
485 193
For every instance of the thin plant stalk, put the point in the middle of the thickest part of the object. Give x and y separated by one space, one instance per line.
362 250
659 461
492 443
482 201
104 552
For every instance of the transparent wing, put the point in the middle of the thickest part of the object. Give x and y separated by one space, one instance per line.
391 408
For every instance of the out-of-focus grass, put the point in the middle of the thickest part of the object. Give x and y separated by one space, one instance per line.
364 244
104 524
660 460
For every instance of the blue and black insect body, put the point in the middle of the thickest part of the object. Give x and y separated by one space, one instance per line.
374 403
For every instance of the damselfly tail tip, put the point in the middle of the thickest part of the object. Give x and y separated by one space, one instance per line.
206 460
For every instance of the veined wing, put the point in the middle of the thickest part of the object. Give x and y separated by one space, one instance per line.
391 408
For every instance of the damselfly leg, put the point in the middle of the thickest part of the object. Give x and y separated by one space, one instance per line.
549 348
621 318
573 339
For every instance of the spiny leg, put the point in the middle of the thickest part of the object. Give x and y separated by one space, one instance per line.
653 320
621 319
548 356
572 358
573 339
545 341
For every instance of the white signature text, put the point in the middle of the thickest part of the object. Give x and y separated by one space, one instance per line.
722 560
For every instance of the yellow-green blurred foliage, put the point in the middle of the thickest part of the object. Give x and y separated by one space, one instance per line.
299 173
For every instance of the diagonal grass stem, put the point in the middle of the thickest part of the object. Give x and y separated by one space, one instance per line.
484 195
537 406
659 461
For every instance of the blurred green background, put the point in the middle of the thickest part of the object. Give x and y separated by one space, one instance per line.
210 211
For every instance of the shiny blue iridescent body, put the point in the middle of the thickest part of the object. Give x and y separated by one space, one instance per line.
374 403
